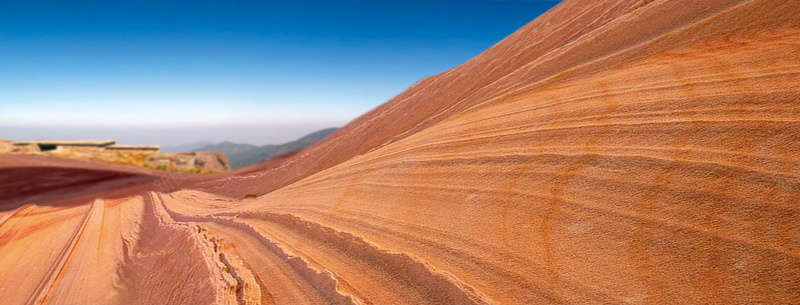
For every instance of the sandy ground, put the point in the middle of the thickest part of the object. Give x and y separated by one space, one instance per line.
635 152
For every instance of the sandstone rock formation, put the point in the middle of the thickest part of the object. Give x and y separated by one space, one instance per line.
201 161
636 152
22 148
107 151
6 146
206 161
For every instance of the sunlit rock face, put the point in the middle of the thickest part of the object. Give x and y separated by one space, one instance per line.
639 152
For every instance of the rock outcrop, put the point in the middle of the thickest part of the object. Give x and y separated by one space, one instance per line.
206 161
6 146
200 161
136 155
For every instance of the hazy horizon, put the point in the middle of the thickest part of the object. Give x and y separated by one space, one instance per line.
249 72
169 135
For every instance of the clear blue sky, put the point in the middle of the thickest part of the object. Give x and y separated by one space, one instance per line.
254 71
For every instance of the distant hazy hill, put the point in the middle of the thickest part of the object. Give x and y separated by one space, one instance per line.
245 154
185 147
228 148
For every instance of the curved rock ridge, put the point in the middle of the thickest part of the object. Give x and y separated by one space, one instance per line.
609 152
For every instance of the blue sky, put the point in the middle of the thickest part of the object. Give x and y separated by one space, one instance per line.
251 71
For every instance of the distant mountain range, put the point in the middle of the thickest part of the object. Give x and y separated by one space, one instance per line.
240 155
185 147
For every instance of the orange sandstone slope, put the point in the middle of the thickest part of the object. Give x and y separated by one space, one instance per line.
608 152
572 43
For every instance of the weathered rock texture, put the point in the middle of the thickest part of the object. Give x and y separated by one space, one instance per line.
201 161
136 155
206 161
6 146
637 152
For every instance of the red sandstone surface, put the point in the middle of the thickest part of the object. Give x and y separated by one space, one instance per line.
637 152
